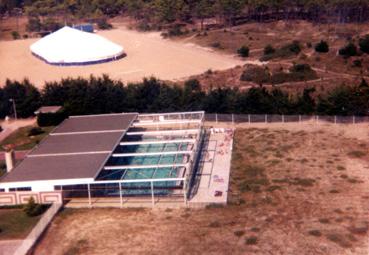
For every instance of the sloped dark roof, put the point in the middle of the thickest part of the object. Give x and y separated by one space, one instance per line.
77 148
56 168
96 123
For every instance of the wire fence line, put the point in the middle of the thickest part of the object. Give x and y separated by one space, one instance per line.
28 243
274 118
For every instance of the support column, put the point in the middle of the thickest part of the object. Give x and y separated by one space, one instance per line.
120 195
249 118
216 118
152 194
89 196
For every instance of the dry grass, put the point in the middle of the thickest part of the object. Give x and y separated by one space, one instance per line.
281 208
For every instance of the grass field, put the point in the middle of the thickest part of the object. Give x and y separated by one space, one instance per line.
23 140
15 224
293 191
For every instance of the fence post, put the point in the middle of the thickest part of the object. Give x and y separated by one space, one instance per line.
120 195
89 195
249 118
232 119
335 119
317 118
299 118
216 118
353 119
282 118
266 118
152 194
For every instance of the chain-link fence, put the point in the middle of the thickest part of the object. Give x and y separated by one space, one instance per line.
272 118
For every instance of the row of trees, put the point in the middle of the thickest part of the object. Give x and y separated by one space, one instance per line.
104 95
228 11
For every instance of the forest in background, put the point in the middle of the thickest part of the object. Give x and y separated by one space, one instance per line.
98 95
226 12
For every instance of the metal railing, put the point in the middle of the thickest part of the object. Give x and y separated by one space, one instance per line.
272 118
29 242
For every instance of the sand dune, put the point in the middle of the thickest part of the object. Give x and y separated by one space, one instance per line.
147 55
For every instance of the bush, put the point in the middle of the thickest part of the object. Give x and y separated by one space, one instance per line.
349 50
251 240
357 63
298 72
287 50
103 24
243 51
364 44
15 35
35 131
256 74
216 45
1 129
34 24
269 49
50 119
322 47
32 209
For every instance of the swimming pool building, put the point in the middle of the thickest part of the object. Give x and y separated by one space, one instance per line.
111 156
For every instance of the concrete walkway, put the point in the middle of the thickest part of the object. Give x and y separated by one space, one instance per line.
12 125
8 247
213 175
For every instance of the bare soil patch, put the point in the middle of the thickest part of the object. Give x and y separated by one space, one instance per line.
147 55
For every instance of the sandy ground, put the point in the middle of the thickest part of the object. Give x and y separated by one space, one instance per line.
147 55
312 198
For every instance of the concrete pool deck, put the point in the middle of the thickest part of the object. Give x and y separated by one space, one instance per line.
213 174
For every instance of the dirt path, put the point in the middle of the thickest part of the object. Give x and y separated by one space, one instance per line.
147 54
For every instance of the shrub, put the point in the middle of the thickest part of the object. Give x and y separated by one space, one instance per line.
50 119
269 49
35 131
34 24
239 233
322 47
251 240
294 47
15 35
315 232
357 63
32 209
309 45
364 44
1 129
256 74
348 50
287 50
216 45
214 224
103 24
243 51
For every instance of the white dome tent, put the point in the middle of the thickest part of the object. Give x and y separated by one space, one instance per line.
69 46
